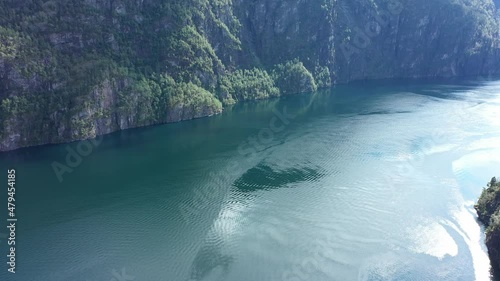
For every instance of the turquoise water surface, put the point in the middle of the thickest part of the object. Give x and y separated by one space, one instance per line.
368 181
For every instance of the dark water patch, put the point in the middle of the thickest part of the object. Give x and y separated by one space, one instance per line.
383 112
262 177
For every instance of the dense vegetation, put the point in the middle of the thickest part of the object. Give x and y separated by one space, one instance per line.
246 84
488 210
489 203
292 77
72 69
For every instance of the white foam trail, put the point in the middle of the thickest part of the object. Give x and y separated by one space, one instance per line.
433 239
471 233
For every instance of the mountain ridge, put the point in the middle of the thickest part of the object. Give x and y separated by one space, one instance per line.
72 70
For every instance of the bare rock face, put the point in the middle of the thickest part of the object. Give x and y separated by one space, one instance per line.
493 245
405 38
274 31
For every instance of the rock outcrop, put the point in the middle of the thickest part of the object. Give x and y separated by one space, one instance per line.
488 210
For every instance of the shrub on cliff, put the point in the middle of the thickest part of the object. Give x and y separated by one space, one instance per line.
9 41
248 84
323 77
293 77
494 225
187 101
489 201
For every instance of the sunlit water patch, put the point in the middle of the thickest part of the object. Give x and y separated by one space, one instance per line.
370 181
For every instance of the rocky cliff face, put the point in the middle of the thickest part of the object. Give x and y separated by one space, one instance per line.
278 31
493 245
72 70
488 210
417 38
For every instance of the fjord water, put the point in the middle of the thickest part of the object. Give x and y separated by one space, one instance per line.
369 181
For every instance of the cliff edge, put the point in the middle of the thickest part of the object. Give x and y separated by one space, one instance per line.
488 210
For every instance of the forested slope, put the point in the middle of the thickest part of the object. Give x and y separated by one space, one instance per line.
72 70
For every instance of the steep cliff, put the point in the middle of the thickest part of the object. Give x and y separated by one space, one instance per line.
73 70
417 38
488 210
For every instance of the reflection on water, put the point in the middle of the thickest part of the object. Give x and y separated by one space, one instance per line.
264 177
371 181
